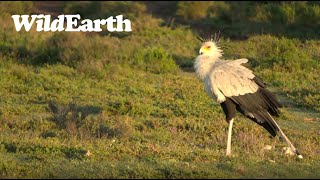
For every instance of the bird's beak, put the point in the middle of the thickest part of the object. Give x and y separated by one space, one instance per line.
200 51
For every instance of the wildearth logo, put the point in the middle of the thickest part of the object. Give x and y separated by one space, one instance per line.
72 23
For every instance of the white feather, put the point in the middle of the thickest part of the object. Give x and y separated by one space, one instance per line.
224 78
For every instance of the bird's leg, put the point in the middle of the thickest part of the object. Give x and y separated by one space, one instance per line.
228 153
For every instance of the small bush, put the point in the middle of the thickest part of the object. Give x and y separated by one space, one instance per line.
104 9
219 9
291 13
16 7
272 52
155 60
69 49
308 14
103 126
189 11
283 14
19 46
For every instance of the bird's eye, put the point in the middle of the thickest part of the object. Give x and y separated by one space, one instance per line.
208 47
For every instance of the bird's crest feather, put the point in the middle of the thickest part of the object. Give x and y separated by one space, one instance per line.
215 39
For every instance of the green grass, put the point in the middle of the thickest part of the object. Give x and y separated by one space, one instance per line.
77 105
135 124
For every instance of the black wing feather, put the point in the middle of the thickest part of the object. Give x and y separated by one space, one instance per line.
256 106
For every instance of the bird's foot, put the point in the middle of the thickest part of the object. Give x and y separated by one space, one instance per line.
267 147
228 153
288 151
300 156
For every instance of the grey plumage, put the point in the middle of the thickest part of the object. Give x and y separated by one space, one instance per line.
226 78
232 79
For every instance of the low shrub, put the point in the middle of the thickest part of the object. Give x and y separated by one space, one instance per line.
16 7
155 60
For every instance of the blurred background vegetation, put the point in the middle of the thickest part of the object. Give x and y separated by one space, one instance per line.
146 77
281 39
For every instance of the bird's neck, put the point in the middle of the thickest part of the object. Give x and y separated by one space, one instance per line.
203 64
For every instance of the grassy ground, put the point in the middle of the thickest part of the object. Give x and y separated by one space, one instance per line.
129 105
59 124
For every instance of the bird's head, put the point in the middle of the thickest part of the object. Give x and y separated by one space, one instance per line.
209 47
209 53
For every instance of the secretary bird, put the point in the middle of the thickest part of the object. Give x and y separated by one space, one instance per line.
237 88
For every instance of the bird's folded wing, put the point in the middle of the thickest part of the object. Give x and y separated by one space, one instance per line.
233 79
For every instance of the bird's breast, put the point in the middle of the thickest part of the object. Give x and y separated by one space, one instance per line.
209 88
